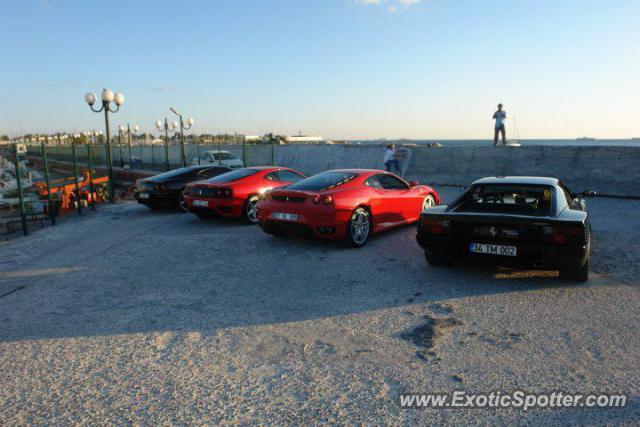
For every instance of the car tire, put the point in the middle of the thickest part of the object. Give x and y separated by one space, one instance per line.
437 260
428 202
182 207
250 209
358 228
576 275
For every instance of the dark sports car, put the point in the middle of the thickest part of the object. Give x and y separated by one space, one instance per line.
165 190
530 222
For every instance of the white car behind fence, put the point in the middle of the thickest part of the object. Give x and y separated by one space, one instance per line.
215 157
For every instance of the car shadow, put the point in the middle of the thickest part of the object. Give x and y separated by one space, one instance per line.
186 274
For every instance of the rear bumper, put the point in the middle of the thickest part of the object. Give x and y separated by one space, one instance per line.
168 200
290 228
231 208
319 221
530 255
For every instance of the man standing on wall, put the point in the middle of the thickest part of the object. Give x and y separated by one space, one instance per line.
500 117
390 160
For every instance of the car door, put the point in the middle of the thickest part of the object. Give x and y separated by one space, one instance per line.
397 200
377 202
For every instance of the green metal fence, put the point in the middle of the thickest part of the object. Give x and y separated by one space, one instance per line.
41 187
157 157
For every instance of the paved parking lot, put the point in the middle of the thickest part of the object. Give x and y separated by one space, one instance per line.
133 316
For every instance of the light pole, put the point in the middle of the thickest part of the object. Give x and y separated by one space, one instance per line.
182 129
107 98
94 134
165 126
121 130
136 128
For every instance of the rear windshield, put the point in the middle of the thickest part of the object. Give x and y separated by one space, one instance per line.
232 176
176 173
323 181
534 200
224 156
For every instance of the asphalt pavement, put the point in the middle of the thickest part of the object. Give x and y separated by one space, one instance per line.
131 316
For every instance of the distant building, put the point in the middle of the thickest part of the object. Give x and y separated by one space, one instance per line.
303 139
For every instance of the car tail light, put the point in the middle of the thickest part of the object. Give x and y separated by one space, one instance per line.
222 193
327 200
160 187
436 226
316 199
565 234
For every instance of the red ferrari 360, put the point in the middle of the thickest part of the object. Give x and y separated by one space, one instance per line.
235 194
348 204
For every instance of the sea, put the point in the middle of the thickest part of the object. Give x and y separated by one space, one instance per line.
525 142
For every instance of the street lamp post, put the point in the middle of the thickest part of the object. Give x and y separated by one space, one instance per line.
182 129
121 130
165 126
136 128
107 98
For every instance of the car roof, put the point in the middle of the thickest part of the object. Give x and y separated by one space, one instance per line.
264 168
206 166
217 151
518 180
358 171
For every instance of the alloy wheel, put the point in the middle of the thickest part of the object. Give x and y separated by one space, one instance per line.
181 203
428 203
360 226
252 209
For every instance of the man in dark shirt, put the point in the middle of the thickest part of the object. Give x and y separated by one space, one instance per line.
500 117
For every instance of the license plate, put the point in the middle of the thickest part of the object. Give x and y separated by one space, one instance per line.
143 195
483 248
285 216
201 203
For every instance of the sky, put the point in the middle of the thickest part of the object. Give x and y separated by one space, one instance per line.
342 69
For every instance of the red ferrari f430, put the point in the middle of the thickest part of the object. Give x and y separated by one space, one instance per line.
347 204
235 194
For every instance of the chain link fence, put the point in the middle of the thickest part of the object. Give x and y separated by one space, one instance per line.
160 157
40 182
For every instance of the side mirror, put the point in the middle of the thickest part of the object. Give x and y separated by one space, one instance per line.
413 183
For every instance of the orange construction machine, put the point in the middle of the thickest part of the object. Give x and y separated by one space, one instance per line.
65 190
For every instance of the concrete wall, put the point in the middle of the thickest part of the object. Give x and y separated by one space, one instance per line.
608 170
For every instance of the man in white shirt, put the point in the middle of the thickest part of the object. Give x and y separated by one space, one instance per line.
500 117
390 158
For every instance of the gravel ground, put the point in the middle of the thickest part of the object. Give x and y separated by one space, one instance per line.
128 316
